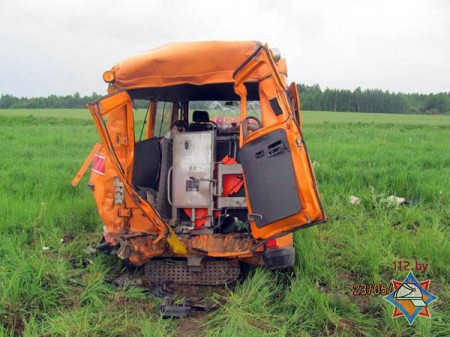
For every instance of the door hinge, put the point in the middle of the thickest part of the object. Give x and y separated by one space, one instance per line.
122 140
124 212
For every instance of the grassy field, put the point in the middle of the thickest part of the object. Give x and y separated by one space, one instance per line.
46 227
310 117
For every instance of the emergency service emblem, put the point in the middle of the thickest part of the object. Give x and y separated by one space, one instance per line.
410 298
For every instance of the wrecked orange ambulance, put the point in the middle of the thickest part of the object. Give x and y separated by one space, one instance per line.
213 173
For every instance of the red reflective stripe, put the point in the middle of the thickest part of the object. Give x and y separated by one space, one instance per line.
98 164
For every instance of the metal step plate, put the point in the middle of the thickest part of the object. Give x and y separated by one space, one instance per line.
212 272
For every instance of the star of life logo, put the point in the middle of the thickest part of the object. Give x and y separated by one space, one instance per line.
410 298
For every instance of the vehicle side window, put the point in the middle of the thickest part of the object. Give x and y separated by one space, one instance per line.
162 118
254 109
140 107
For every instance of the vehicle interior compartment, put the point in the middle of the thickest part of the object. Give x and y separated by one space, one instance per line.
192 174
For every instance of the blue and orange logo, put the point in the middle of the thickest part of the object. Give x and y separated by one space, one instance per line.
410 298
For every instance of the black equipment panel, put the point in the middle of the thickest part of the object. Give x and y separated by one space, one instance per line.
270 178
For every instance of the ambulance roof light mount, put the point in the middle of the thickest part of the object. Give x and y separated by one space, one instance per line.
109 76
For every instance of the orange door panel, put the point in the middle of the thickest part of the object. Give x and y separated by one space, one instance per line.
124 211
280 185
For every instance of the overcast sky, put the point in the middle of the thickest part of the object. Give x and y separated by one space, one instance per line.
60 47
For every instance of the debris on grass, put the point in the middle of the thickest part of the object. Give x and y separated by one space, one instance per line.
90 251
394 200
169 309
80 263
67 238
127 280
354 200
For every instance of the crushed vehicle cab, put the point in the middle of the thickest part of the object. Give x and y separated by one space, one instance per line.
214 173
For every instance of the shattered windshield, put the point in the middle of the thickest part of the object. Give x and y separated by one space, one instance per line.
226 114
225 108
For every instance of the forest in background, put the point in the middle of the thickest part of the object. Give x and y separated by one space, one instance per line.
312 98
372 100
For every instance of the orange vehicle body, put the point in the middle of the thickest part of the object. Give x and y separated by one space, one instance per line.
180 73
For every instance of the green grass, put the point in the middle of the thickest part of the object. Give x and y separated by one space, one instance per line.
370 156
309 117
319 117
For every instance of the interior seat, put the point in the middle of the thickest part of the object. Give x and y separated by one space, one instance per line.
200 122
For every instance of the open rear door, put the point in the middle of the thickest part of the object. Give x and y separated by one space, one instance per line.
113 116
279 181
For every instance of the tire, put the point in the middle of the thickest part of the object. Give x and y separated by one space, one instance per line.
279 259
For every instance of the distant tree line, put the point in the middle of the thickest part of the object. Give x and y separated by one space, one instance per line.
372 100
75 101
312 98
